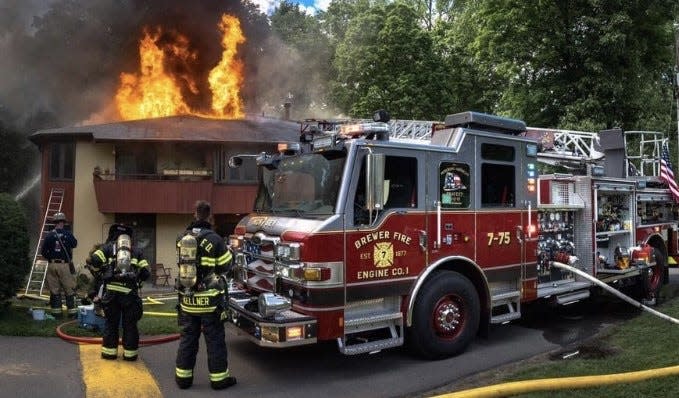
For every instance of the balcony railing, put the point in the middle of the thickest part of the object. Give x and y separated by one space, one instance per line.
169 193
166 174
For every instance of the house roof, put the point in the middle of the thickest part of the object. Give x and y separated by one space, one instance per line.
179 129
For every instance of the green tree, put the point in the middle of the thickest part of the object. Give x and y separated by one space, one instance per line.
303 62
336 18
433 11
574 63
14 260
387 60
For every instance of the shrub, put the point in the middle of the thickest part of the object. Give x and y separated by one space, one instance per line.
14 251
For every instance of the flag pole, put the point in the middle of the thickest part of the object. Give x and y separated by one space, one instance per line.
676 82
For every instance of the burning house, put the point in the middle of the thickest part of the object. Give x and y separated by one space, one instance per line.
163 152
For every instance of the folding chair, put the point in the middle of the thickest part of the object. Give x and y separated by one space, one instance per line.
162 275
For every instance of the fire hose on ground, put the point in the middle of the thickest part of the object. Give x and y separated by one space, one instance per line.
142 342
97 340
564 383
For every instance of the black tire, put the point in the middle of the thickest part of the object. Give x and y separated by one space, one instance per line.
445 316
653 277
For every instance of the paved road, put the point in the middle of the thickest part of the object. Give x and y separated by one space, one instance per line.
42 367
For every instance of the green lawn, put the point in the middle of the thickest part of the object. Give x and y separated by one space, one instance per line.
16 320
645 342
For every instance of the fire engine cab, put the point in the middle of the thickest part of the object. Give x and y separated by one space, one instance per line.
373 241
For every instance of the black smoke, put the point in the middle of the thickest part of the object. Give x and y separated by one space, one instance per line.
61 59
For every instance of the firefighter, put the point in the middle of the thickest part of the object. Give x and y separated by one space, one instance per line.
96 289
122 269
57 249
203 261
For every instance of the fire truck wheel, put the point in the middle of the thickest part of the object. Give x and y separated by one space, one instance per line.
654 276
445 316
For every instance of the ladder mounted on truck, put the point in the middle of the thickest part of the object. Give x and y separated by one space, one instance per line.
640 155
36 279
569 148
645 160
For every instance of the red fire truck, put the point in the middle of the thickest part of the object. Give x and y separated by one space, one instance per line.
371 240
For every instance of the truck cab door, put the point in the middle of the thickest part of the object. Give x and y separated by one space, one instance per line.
384 249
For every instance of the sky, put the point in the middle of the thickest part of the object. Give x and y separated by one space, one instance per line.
311 6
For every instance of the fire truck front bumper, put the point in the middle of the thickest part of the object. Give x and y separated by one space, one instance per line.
282 328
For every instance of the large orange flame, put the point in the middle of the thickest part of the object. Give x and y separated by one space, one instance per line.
155 92
227 77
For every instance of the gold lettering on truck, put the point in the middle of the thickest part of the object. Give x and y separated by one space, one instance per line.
382 253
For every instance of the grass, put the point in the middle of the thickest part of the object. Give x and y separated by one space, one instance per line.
645 342
16 320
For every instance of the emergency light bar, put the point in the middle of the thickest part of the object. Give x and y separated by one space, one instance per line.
380 130
288 148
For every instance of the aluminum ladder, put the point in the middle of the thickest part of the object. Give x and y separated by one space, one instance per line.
36 279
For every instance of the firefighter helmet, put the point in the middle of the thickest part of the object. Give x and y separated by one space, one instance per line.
621 257
187 260
59 217
118 229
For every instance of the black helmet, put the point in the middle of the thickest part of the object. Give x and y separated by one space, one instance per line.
59 217
116 230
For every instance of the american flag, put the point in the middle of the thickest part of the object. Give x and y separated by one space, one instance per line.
666 173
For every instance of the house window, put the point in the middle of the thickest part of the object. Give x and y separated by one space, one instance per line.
62 160
135 161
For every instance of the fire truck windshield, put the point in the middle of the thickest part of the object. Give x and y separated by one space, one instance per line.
303 185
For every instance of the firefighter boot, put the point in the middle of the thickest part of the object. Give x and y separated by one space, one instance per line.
183 382
224 383
109 353
55 305
70 304
183 378
130 355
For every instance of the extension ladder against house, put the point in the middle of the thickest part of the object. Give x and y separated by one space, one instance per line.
36 279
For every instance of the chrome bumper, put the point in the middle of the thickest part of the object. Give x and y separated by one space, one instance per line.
284 329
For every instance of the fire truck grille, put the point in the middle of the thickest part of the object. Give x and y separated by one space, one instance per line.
252 250
259 260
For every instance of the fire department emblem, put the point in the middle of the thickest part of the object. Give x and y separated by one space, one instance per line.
383 254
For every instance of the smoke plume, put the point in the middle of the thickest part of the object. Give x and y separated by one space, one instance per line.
62 59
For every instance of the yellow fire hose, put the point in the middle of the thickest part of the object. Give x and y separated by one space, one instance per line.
526 386
564 383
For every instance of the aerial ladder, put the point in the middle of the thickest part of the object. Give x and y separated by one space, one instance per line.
36 278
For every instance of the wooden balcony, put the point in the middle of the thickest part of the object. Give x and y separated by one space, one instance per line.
170 194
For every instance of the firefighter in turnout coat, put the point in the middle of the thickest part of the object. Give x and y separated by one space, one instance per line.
58 250
203 260
122 268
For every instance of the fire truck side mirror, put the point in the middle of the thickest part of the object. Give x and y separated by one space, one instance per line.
374 182
235 162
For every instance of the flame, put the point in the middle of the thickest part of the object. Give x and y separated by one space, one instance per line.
155 92
227 77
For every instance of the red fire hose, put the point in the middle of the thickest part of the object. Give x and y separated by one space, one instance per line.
97 340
